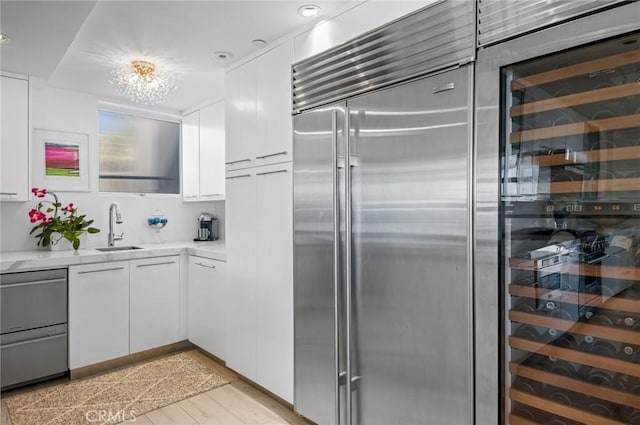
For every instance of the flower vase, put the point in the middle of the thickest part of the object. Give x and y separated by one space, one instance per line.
61 245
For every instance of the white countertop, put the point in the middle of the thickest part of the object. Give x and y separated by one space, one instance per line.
44 259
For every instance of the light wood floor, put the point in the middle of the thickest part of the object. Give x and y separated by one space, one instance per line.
237 403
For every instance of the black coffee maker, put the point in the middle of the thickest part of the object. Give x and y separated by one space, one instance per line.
208 228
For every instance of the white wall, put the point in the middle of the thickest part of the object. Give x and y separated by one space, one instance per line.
350 24
54 109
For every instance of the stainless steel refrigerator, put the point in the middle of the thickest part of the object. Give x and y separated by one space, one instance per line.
382 256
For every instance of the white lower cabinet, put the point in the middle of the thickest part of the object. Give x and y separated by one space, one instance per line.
208 300
98 313
154 302
260 274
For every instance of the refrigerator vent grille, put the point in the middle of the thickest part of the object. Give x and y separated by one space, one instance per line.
499 20
436 37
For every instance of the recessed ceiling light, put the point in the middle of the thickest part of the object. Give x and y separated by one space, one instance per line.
4 38
222 55
309 10
258 42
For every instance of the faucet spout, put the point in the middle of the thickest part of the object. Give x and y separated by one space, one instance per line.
111 237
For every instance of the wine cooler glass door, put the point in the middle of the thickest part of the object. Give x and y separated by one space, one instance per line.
570 214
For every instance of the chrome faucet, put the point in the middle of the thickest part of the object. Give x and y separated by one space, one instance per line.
111 237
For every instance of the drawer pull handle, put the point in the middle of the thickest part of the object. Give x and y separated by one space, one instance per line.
9 193
271 154
239 160
101 270
238 177
156 264
35 282
213 194
271 172
46 338
204 265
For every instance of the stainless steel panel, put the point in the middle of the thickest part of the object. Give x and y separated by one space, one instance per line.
436 37
502 19
317 133
30 355
409 151
33 299
488 320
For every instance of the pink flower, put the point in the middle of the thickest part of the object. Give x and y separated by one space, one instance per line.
34 190
34 215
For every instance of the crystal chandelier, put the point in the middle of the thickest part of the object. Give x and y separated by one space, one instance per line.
143 82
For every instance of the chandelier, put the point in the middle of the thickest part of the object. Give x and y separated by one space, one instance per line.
143 82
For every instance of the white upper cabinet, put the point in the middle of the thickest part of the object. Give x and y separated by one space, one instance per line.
274 105
14 142
203 154
258 118
240 99
212 156
191 156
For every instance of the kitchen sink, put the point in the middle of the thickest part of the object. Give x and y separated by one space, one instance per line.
118 248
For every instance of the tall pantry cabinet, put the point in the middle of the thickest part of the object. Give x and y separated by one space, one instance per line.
258 219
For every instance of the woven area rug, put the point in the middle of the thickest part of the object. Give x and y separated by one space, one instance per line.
115 397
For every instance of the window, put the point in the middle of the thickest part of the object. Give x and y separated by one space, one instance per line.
138 154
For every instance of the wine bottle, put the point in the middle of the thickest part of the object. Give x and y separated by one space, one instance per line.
528 385
633 385
530 413
530 333
597 346
566 397
632 416
527 305
564 339
601 408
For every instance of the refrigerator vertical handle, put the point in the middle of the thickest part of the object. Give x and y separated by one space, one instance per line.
347 214
336 259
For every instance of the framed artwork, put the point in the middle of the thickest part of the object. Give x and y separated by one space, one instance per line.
61 160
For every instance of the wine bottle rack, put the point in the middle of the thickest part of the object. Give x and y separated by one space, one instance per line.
578 298
576 385
607 124
572 160
619 335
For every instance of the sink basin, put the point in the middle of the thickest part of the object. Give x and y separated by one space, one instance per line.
118 248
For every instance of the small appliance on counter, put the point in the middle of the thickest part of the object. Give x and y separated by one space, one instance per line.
208 229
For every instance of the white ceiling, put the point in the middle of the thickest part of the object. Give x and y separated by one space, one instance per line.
74 44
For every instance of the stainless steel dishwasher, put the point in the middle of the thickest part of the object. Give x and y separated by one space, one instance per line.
33 323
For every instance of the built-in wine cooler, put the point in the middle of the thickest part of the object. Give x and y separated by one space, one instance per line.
570 223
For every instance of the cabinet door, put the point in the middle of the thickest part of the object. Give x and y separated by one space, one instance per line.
191 156
98 313
14 144
212 159
240 116
155 301
274 105
274 282
241 217
207 304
